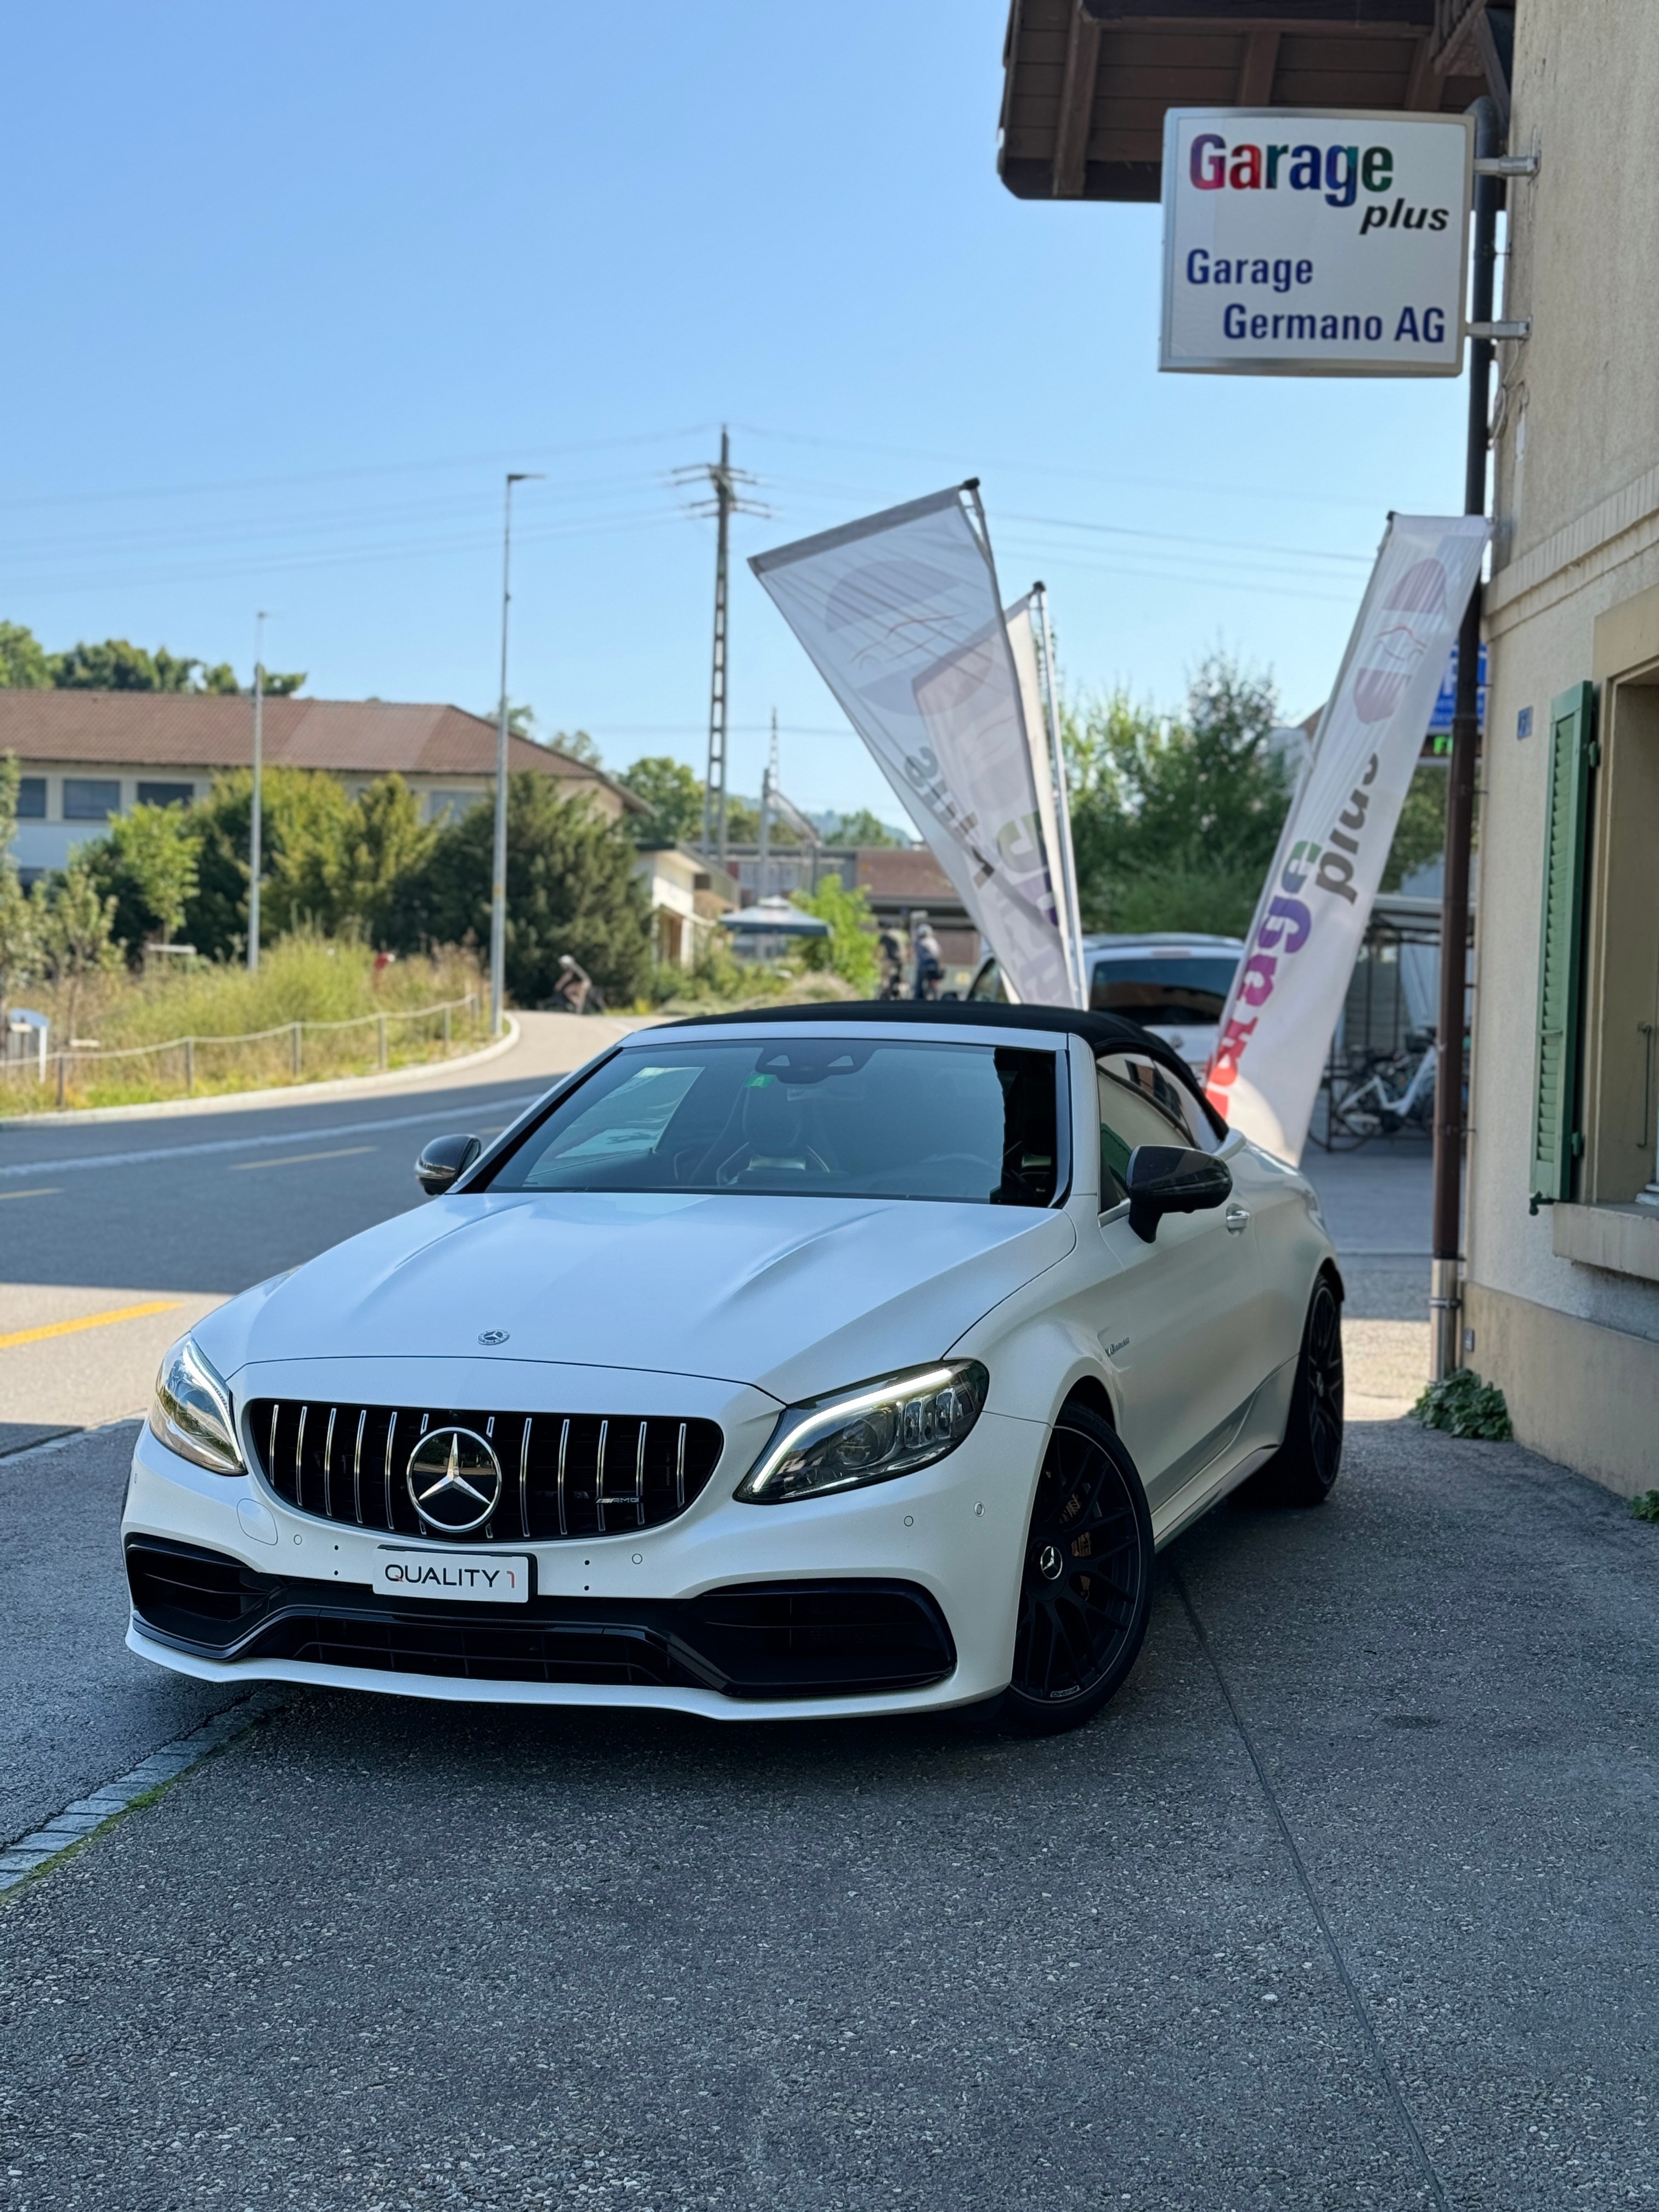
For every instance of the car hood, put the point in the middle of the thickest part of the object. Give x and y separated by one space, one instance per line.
795 1295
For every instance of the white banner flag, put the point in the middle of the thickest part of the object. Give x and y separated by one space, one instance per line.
901 616
1300 953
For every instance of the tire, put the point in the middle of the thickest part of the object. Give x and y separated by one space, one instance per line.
1085 1590
1304 1468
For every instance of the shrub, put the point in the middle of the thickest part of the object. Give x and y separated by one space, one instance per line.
1464 1406
849 950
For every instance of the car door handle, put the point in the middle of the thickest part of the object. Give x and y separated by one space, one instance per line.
1237 1219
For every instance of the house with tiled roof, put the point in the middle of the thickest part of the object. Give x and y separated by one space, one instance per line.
88 756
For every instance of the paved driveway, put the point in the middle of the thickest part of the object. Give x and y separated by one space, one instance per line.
1349 1901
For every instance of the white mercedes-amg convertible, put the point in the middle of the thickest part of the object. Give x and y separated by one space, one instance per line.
833 1360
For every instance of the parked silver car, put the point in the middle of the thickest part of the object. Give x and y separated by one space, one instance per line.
1174 983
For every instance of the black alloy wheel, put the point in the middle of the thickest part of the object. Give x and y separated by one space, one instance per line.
1306 1463
1086 1589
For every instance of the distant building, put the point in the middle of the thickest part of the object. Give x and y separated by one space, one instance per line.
898 881
88 756
688 896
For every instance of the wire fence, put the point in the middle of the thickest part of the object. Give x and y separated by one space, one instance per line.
275 1055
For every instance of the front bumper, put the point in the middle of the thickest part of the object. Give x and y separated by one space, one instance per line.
925 1568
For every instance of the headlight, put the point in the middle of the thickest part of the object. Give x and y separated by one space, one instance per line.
191 1413
870 1434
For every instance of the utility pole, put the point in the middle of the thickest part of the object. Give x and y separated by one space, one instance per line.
714 790
768 786
498 872
726 501
256 824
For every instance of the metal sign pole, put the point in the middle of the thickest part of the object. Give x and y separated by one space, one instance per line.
256 818
498 870
1068 889
1445 1294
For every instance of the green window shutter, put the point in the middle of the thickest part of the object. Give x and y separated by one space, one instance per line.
1561 957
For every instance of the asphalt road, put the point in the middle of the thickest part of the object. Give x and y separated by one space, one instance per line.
1347 1902
115 1235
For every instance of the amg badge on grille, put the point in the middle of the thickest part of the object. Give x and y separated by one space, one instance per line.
454 1480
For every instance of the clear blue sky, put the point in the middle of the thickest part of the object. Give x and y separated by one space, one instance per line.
290 287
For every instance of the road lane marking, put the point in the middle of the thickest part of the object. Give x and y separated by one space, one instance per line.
30 1193
514 1106
295 1159
88 1321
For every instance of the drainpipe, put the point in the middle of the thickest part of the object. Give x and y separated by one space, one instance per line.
1445 1291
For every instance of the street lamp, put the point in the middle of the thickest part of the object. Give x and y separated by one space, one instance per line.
255 821
498 882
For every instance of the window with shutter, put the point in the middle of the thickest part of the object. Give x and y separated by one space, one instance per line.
1561 957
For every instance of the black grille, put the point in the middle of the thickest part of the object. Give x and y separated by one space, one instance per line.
564 1474
760 1641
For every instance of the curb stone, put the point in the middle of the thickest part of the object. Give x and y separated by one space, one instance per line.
32 1853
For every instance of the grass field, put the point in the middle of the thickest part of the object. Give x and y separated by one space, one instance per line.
315 1008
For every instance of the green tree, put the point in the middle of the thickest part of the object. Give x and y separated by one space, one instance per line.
862 827
849 950
330 862
145 868
1174 822
743 824
389 849
579 745
673 792
297 883
23 663
19 939
1420 833
117 665
75 925
570 888
272 682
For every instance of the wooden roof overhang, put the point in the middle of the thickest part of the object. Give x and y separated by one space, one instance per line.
1086 82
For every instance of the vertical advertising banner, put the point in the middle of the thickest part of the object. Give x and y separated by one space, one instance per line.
1301 244
901 616
1279 1019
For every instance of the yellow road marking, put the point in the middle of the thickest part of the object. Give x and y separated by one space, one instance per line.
295 1159
30 1193
88 1321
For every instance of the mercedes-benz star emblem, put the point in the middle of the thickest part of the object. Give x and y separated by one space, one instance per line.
454 1480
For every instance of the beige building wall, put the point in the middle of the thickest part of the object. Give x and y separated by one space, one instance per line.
1564 1303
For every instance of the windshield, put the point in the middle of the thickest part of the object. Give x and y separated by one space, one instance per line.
823 1116
1162 987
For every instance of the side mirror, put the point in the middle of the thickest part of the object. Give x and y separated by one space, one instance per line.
1173 1179
444 1161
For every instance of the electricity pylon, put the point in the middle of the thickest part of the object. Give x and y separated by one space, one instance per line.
726 501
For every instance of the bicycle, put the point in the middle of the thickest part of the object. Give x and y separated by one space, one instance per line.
1364 1107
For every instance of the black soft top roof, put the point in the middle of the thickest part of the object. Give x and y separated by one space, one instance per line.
1101 1033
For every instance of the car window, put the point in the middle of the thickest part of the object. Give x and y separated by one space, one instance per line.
1130 1115
1165 990
817 1116
1169 1093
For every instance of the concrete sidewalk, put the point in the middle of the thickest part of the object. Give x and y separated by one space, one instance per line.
1376 1203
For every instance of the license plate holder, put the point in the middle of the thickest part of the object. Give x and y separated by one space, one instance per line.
457 1576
